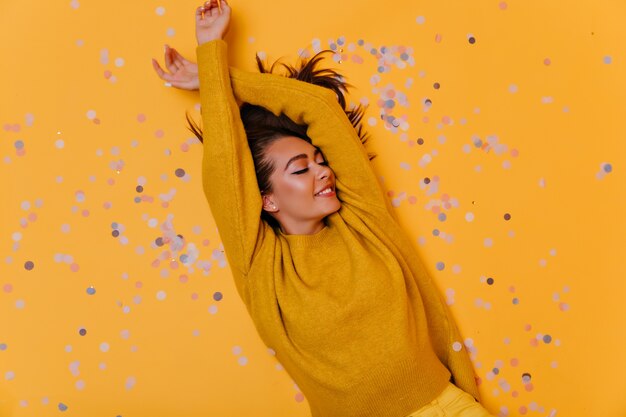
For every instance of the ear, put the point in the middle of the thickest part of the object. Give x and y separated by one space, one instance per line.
268 203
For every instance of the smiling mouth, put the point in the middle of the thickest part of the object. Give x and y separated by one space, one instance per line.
328 191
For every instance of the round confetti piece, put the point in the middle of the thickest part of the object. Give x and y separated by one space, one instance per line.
104 56
130 382
74 368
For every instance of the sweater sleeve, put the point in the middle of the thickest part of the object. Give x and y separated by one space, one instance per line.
228 174
459 362
446 335
328 127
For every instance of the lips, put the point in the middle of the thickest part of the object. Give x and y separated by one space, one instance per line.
325 188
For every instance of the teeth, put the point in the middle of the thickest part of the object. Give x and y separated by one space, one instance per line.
325 191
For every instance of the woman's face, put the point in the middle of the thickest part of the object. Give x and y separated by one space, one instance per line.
300 174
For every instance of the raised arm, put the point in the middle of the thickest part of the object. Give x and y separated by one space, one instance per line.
228 175
328 127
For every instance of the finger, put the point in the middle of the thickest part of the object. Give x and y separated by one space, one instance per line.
200 13
213 7
213 11
178 58
168 60
176 62
162 74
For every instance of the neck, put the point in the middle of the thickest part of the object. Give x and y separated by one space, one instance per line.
302 228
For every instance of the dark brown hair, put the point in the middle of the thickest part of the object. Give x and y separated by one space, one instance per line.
262 127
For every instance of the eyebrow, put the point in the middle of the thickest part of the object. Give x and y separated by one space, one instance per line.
302 156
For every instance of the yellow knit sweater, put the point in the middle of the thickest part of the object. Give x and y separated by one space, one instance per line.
350 311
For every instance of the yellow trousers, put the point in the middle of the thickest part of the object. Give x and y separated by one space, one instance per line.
452 402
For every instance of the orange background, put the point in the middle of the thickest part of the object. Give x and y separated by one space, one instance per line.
527 121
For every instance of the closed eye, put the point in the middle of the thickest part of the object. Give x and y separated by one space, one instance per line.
302 171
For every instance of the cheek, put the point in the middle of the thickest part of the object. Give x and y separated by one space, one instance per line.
288 187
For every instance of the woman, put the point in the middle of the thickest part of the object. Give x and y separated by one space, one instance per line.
330 280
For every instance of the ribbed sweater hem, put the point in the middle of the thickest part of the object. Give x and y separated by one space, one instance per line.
389 391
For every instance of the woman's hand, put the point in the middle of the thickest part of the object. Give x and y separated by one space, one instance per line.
211 23
183 73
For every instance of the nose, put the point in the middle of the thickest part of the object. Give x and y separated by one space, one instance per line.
323 171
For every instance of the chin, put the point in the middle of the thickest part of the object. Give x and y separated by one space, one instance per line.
336 208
